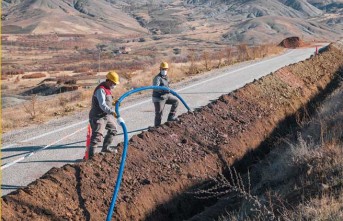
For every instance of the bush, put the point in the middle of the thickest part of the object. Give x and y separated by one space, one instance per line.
177 50
53 72
71 81
156 38
3 87
85 74
62 80
81 69
13 72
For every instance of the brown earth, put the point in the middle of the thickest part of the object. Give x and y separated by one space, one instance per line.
292 42
164 163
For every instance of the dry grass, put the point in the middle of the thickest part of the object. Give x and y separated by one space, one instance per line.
85 74
133 75
310 186
326 207
304 177
36 111
31 108
13 72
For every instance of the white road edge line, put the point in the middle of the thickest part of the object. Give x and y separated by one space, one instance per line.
8 146
148 100
231 72
6 165
43 135
214 78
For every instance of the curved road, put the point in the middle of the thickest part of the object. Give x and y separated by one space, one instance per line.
63 141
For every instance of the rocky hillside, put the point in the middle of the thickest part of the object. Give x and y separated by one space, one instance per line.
258 8
259 20
328 5
251 21
67 16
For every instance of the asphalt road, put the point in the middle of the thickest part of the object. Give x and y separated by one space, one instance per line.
62 141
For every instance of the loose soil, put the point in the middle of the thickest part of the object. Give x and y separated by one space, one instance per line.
292 42
166 162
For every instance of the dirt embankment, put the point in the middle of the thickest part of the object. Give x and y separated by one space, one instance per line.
165 162
292 42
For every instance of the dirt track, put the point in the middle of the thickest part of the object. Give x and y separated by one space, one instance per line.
165 162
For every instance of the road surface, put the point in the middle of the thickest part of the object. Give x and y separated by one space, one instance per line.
63 140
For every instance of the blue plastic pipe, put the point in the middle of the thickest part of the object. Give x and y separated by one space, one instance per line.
126 139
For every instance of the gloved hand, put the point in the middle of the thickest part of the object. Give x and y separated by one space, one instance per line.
115 102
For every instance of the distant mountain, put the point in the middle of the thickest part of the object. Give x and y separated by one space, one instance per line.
302 6
257 21
270 29
334 6
258 8
252 21
67 16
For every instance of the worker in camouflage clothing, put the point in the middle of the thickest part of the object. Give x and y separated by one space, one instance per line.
102 114
162 97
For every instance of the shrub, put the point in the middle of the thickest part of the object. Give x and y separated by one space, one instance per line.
3 87
156 38
82 69
207 61
71 81
13 72
53 72
85 74
177 50
62 80
16 80
31 108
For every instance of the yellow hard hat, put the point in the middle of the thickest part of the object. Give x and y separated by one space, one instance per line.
164 65
113 76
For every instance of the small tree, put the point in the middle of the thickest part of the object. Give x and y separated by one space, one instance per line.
31 107
193 69
228 52
219 56
243 52
206 57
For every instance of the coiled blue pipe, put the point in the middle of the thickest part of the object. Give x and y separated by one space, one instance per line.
126 139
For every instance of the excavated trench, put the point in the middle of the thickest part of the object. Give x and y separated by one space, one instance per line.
164 164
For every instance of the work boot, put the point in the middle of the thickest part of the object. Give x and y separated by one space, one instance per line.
172 117
109 150
91 151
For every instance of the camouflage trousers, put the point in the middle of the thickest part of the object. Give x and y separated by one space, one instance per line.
99 125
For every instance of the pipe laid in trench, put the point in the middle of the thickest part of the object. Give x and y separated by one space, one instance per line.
126 139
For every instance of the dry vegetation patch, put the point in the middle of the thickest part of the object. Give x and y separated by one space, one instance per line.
136 70
302 179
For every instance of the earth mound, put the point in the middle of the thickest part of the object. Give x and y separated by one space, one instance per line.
292 42
47 89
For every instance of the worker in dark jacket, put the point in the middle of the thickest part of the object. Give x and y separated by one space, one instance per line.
161 97
102 114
